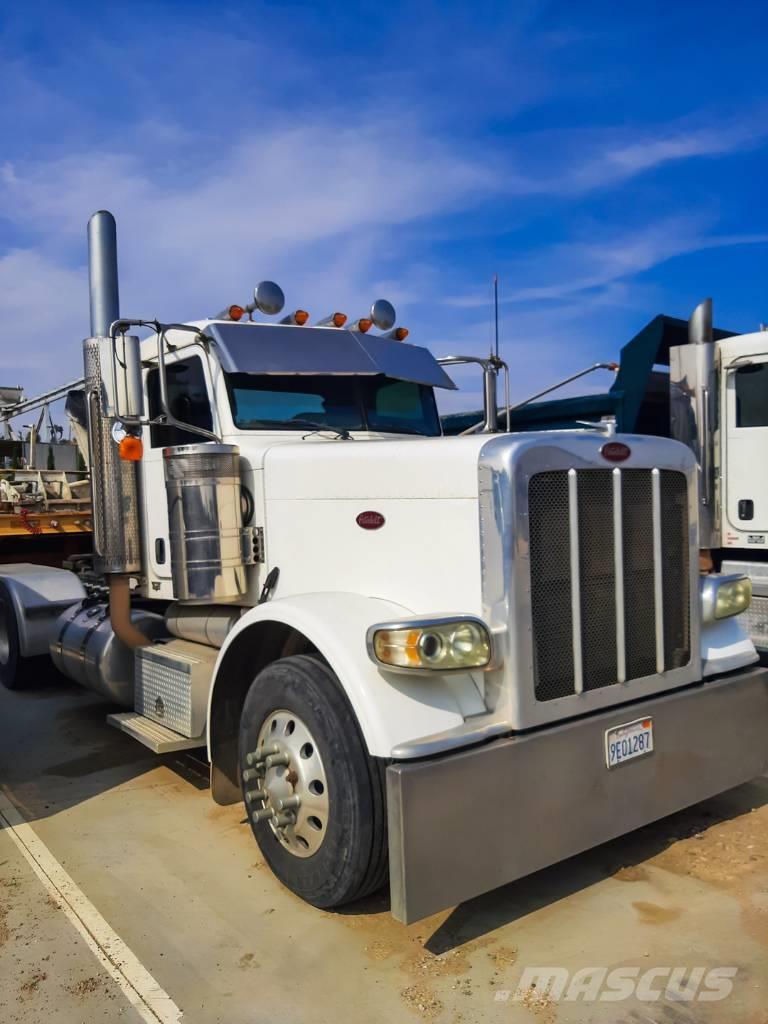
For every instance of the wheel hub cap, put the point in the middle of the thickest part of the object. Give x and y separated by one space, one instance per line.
286 784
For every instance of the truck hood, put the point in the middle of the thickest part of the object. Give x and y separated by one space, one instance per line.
436 467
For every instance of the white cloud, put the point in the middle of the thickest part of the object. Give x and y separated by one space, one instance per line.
596 270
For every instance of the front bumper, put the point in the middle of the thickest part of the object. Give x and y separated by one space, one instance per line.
465 823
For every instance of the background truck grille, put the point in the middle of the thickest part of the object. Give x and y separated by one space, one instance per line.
609 577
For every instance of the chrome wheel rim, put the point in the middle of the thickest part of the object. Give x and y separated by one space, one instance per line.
286 784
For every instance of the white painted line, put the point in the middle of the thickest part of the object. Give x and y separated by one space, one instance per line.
153 1004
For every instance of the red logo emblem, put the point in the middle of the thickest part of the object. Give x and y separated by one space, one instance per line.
615 451
370 520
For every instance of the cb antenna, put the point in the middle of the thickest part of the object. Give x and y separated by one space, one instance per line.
496 313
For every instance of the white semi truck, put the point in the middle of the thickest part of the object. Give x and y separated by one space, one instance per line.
449 661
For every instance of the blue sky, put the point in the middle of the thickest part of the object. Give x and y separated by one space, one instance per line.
608 161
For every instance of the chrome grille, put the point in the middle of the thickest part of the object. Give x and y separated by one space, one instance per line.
609 577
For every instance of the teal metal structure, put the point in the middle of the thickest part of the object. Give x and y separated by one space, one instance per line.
638 399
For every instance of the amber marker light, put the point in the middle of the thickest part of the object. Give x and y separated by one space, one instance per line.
130 448
339 319
300 317
236 312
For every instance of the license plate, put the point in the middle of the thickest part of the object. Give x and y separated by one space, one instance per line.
625 742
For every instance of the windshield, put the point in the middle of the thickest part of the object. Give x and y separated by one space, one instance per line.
269 401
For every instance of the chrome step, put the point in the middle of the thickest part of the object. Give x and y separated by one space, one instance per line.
157 737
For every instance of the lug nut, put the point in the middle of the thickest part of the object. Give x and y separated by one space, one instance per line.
276 759
256 756
255 794
288 803
262 815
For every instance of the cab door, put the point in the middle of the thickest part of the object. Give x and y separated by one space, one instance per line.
189 399
745 469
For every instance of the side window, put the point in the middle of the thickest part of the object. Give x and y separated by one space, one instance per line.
752 395
187 401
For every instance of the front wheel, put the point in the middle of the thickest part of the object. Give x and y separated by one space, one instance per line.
315 798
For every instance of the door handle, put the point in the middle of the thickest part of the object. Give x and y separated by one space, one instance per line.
160 551
746 509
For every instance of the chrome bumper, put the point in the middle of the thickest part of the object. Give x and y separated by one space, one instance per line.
465 823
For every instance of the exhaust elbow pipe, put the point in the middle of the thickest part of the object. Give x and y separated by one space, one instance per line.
120 613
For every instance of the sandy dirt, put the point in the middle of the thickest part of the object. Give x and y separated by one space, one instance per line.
182 883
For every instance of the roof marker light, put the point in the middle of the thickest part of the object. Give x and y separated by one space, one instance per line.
299 317
362 325
334 320
398 334
235 312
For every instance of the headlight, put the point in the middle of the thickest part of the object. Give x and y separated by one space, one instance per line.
724 596
733 598
441 645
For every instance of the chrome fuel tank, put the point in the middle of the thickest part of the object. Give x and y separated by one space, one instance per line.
87 650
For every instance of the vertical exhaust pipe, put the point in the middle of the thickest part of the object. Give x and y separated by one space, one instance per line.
113 482
700 324
701 336
102 272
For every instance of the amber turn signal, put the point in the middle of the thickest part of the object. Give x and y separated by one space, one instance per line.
130 448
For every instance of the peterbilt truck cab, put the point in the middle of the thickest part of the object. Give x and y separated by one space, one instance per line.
374 631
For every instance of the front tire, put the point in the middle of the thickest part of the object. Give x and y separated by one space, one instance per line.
314 796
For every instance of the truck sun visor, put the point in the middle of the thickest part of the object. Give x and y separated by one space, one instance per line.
267 348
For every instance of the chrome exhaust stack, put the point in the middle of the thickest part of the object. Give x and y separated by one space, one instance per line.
111 389
692 405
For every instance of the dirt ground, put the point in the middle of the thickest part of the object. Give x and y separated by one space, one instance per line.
182 884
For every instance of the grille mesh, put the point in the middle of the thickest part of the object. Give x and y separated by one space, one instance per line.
674 547
550 561
639 604
597 579
551 585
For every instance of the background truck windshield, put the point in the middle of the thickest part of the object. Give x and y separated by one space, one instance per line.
266 401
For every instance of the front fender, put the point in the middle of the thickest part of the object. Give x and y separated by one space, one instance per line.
390 708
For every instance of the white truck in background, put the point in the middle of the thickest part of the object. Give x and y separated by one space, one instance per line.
451 661
719 408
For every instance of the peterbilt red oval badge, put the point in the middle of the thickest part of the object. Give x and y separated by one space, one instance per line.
370 520
615 451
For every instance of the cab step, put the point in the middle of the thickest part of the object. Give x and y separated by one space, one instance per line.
157 737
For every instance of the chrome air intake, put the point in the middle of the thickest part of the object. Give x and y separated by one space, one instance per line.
210 547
